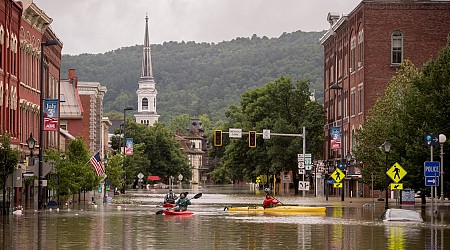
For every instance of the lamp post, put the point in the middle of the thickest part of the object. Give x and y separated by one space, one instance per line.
386 147
336 87
105 199
41 120
31 143
442 139
124 129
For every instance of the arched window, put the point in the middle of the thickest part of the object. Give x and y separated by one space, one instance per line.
397 47
144 104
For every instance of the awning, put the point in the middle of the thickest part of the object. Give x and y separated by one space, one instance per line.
153 178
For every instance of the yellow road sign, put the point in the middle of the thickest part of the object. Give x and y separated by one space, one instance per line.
396 172
396 186
338 175
337 185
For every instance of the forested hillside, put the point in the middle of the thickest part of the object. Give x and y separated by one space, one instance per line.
202 78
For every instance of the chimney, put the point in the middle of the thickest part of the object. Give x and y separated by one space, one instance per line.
332 18
72 74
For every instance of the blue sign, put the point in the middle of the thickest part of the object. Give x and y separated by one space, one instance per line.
331 181
432 181
431 139
432 168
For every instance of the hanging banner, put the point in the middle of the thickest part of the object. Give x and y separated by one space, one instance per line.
335 133
51 115
129 146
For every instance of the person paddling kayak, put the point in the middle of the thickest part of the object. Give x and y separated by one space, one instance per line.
269 201
170 197
182 202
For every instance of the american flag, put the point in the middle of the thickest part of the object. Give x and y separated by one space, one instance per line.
96 163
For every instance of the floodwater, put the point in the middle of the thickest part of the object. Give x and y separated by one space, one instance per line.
134 224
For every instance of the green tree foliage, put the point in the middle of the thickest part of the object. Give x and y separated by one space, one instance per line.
203 78
282 107
9 158
157 153
80 168
114 171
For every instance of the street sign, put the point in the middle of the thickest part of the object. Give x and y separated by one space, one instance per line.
303 185
338 175
396 186
301 171
331 181
140 176
396 172
431 181
431 139
432 168
337 185
235 133
308 167
266 133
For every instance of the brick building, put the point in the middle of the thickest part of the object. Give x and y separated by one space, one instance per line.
23 26
362 51
82 113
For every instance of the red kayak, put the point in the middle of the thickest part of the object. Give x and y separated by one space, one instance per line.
168 205
171 212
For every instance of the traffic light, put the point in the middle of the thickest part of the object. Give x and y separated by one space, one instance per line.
217 138
252 139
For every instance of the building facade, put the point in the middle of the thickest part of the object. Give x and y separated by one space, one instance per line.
146 92
23 27
362 51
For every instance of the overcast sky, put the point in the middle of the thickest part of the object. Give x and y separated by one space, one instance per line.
98 26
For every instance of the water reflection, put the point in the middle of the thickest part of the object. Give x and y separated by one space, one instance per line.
138 227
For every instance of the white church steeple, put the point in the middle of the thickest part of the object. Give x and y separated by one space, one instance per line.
146 92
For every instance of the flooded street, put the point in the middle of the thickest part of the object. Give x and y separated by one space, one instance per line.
134 224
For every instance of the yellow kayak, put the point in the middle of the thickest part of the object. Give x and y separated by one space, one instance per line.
278 209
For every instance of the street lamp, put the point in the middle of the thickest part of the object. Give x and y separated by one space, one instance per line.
41 120
105 199
336 87
31 143
442 139
124 129
386 147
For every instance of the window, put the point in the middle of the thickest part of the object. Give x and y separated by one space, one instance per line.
144 104
353 102
353 54
397 47
360 98
62 98
63 126
360 48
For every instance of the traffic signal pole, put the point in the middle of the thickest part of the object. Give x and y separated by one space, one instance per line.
218 134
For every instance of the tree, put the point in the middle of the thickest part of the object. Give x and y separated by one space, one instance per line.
282 107
114 171
9 158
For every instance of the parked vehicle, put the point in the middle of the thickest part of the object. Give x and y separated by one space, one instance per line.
396 214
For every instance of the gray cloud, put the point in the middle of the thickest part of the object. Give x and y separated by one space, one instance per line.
97 26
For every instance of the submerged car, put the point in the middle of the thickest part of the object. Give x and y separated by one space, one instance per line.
396 214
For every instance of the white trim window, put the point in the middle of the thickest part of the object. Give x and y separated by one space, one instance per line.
396 47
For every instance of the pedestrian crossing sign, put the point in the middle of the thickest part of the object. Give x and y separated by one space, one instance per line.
338 175
337 185
396 172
